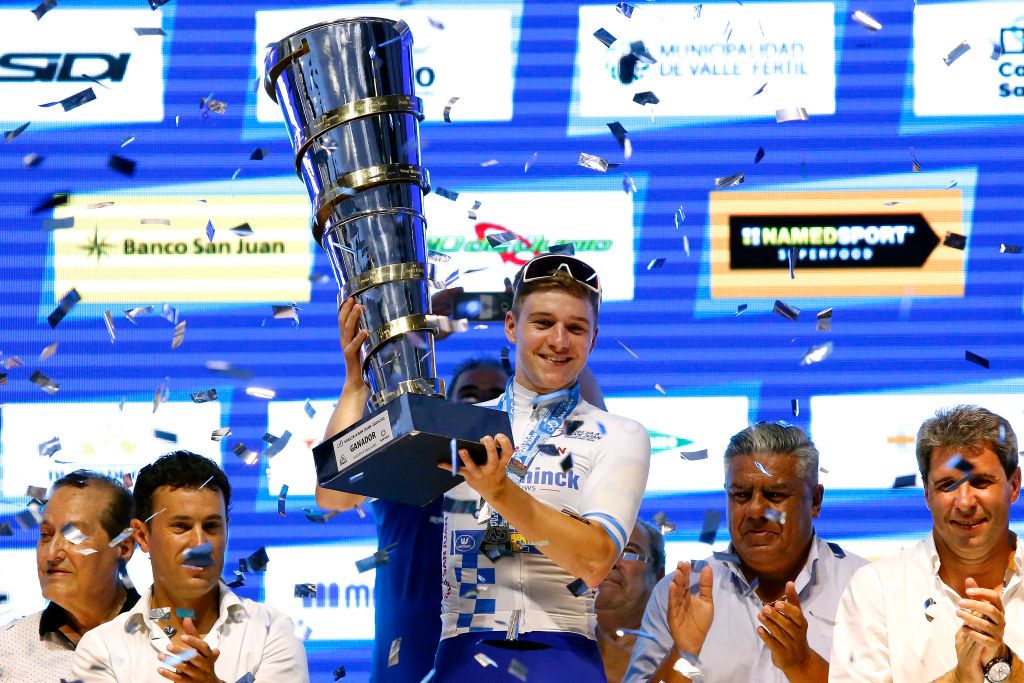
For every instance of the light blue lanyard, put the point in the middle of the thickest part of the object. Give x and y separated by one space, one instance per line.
549 419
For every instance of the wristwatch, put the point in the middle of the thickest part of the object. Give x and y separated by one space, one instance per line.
998 669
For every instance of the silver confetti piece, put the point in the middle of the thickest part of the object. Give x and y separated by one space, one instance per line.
108 320
729 181
219 434
605 37
956 53
593 162
785 310
48 351
866 20
787 114
448 109
825 320
817 353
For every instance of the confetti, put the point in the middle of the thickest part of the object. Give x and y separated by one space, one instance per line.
593 162
825 320
787 114
260 392
165 436
160 614
258 561
905 481
339 674
305 590
500 239
210 105
48 351
628 350
37 492
44 7
816 353
225 368
578 588
243 230
448 109
531 161
199 556
74 101
635 632
785 310
655 264
866 20
566 463
517 670
149 31
605 37
759 155
67 303
181 657
622 136
712 519
185 613
956 53
31 160
568 248
55 200
108 320
762 468
276 443
244 454
132 313
309 409
489 163
1009 249
11 134
161 510
31 516
775 516
179 335
44 383
729 181
204 396
645 98
484 661
73 534
281 498
290 312
258 154
219 434
51 224
761 89
122 165
663 523
976 359
393 654
695 455
5 529
660 389
125 533
955 240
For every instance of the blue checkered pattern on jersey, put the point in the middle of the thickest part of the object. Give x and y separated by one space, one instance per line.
470 577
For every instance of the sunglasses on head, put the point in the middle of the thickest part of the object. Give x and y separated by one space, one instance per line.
548 265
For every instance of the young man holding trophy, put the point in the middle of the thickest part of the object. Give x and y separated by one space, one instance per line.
535 529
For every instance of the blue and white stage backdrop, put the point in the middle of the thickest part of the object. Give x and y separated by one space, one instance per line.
863 171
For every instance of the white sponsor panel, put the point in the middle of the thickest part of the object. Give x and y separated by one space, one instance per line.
294 464
97 436
343 607
710 59
47 60
867 440
601 224
468 52
707 422
20 581
978 81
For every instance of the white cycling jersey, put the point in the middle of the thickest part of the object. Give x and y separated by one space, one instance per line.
610 461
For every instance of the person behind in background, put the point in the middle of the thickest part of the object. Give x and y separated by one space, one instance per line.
189 626
80 570
623 595
950 608
765 610
519 572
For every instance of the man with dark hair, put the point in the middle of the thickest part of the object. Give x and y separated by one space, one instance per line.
951 608
777 574
189 626
623 595
80 572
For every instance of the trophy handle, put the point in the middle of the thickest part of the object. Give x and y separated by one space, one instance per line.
275 70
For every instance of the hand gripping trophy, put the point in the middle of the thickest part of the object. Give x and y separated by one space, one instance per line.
346 89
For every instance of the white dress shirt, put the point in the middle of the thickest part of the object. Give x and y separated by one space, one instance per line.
252 638
897 620
733 652
28 657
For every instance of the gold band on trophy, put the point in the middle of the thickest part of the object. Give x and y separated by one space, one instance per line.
351 111
429 386
352 183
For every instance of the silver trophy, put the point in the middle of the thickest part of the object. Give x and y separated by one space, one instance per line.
346 89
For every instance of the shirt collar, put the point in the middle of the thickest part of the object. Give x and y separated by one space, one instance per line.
231 611
1014 568
808 572
55 616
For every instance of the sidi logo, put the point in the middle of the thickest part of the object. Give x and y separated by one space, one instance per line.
64 67
74 49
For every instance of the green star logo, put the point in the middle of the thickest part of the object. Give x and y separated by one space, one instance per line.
96 245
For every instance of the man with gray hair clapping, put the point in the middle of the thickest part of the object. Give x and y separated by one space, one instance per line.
763 611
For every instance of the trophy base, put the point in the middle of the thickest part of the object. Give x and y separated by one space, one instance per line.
394 452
